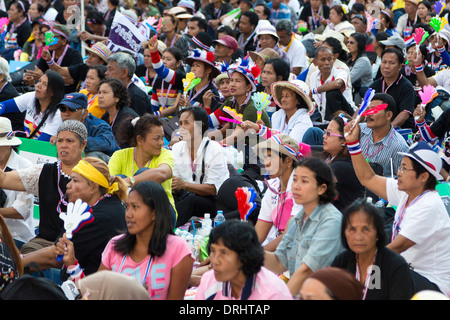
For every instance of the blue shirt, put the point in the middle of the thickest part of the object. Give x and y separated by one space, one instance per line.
283 12
100 136
315 241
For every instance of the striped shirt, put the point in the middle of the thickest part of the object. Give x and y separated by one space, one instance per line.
383 151
283 12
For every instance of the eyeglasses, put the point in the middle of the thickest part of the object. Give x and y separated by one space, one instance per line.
403 169
329 134
351 42
64 109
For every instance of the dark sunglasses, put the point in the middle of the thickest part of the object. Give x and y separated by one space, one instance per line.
64 109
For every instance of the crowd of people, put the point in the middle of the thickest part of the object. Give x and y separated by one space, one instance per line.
328 109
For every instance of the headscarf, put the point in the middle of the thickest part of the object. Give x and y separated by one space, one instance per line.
88 171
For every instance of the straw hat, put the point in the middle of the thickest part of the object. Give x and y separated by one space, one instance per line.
7 137
298 86
264 54
281 143
332 34
101 50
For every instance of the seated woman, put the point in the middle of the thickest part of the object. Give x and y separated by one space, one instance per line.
105 194
42 118
146 159
312 239
32 48
296 106
16 207
49 182
237 260
148 250
10 259
18 29
347 184
200 167
364 237
279 154
421 224
114 99
314 15
94 77
146 71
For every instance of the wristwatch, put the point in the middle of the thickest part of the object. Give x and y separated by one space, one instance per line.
132 181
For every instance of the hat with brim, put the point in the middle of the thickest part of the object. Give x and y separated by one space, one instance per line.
206 57
426 157
75 100
101 50
264 54
297 86
247 67
332 34
7 137
220 77
281 143
201 40
180 13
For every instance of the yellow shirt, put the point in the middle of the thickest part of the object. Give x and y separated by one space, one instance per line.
122 162
93 107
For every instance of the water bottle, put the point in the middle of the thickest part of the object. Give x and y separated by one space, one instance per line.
381 203
207 223
410 140
219 218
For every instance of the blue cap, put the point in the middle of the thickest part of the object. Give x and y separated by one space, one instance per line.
74 100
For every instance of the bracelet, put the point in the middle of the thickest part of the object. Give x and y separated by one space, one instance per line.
419 68
75 271
441 49
314 91
158 114
354 148
50 62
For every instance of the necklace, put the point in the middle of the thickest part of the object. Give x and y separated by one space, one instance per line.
368 275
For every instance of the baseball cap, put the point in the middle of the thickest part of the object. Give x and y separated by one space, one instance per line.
74 100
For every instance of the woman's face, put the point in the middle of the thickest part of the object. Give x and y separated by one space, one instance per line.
333 144
238 85
199 69
106 97
36 31
268 75
153 141
361 233
224 87
411 54
272 163
33 12
225 262
14 13
305 190
92 81
69 147
79 188
168 25
352 45
267 41
93 60
147 59
138 215
169 61
407 178
335 18
422 11
41 88
288 100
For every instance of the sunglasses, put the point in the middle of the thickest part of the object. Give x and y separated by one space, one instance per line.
329 134
64 109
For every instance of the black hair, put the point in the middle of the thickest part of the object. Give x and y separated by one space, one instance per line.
281 68
202 23
241 238
337 48
338 8
386 98
374 215
422 48
322 49
114 3
199 114
426 4
227 30
361 41
431 182
323 175
127 133
155 197
96 16
424 26
395 51
381 36
56 88
101 72
252 16
119 90
267 11
22 6
339 117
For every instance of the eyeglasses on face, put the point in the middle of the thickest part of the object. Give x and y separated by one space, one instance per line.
403 169
329 134
64 109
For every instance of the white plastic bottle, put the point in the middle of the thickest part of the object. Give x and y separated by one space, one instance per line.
220 218
206 224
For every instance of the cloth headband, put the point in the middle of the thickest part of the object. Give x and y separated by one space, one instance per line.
60 33
91 173
277 139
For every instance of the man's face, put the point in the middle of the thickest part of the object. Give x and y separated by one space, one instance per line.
221 51
324 61
359 25
193 28
113 71
245 26
379 119
259 10
73 114
390 66
284 36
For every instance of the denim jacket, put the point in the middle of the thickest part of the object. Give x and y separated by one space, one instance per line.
315 241
100 136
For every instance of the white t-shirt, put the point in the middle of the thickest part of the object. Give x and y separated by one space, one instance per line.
442 79
427 224
297 125
296 54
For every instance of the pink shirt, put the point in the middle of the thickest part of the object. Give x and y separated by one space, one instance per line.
154 273
266 287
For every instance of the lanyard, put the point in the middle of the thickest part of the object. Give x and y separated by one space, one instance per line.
163 102
369 273
14 27
197 93
397 222
62 56
147 269
61 195
379 148
288 46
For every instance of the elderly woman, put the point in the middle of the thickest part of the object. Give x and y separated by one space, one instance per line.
267 38
49 182
237 267
311 241
338 21
364 237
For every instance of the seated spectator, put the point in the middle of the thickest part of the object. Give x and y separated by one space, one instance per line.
15 207
330 86
225 48
145 71
314 14
200 167
113 97
294 48
101 142
406 22
393 83
277 206
149 243
42 118
260 57
421 224
339 21
33 46
262 10
387 23
278 11
196 25
364 237
318 223
247 31
331 283
8 92
12 266
121 66
170 35
213 11
36 10
18 29
145 159
267 38
237 260
94 77
50 13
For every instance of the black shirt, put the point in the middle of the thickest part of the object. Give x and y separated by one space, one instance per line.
17 118
139 100
404 95
123 113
